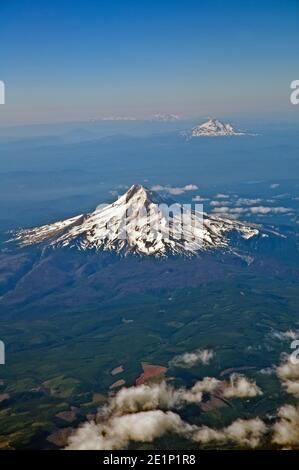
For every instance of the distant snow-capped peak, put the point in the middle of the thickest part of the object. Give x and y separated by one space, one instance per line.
214 128
138 222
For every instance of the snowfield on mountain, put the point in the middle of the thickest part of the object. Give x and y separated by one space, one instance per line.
123 227
213 128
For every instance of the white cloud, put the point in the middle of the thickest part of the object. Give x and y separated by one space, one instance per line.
253 210
286 429
135 414
246 432
208 385
143 413
146 397
146 426
247 201
189 359
216 203
175 190
117 432
200 199
240 386
267 210
288 373
222 210
285 335
281 196
190 187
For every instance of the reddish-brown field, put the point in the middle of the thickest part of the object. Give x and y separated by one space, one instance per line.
150 371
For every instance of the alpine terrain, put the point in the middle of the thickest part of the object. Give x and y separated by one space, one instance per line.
214 128
139 222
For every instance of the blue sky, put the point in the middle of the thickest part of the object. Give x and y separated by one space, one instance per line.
71 59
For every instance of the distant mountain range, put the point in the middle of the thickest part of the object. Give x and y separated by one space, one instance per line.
160 117
165 117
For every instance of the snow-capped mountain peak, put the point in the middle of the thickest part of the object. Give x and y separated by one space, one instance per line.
214 128
139 222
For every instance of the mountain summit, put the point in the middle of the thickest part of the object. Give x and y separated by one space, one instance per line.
137 222
214 128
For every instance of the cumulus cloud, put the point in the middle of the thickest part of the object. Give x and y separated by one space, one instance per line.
175 190
285 335
190 187
245 432
117 432
247 201
164 396
144 413
286 429
217 203
288 373
257 210
146 426
200 199
135 414
240 386
221 196
221 210
148 397
281 196
189 359
141 414
267 210
208 385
